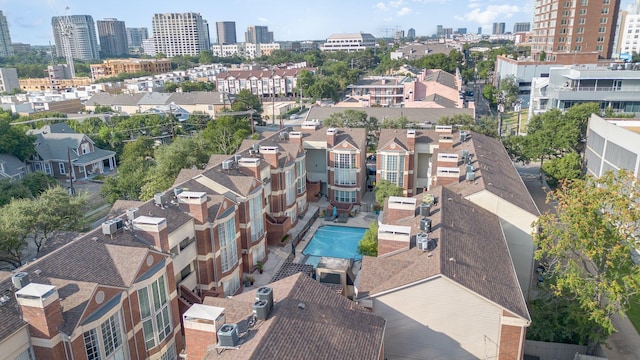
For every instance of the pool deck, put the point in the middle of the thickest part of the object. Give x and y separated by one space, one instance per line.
278 255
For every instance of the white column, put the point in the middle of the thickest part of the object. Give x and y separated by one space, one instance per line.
85 171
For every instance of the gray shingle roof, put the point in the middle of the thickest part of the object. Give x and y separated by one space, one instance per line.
11 164
197 97
412 115
106 99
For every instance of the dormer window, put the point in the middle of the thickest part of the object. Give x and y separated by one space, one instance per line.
85 148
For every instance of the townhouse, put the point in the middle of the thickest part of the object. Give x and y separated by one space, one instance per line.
210 103
266 83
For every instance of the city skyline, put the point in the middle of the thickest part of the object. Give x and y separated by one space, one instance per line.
29 20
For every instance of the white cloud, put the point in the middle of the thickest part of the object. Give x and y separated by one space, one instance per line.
264 20
404 11
396 4
381 6
489 14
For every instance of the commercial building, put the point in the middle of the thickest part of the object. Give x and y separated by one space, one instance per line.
612 145
349 42
83 40
135 36
521 27
570 29
114 67
180 34
226 32
498 28
411 34
9 80
113 37
5 38
258 35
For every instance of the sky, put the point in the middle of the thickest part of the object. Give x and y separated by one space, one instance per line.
30 20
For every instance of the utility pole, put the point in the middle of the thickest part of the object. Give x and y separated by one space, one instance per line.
500 111
518 108
273 97
71 189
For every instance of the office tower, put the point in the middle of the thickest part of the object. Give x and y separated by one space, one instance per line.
135 36
258 35
439 30
113 37
462 31
498 28
226 32
579 27
5 38
479 30
520 27
83 40
180 34
411 34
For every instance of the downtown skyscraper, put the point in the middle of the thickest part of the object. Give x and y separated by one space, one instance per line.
5 38
113 37
226 32
83 40
180 34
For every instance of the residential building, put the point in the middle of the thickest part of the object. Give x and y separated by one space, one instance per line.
571 29
257 34
411 34
449 257
498 28
626 42
63 153
20 47
149 46
612 145
135 36
6 49
264 83
340 329
41 84
226 32
113 37
615 86
203 102
59 71
349 42
180 34
416 50
521 27
398 36
11 167
523 71
83 40
114 67
417 160
246 50
9 80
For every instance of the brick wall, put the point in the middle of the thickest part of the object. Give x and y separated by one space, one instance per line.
198 342
511 338
43 323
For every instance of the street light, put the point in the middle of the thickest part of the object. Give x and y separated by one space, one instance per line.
517 106
501 99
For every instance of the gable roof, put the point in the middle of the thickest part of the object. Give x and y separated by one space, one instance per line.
11 164
105 99
471 250
413 115
442 77
329 327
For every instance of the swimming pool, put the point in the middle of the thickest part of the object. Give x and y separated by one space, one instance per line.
334 241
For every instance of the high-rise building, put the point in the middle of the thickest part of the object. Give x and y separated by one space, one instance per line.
498 28
83 40
226 32
5 38
578 27
258 35
180 34
411 34
9 80
479 30
462 31
113 37
135 36
439 30
521 27
626 42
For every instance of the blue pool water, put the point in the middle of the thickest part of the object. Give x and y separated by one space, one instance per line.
334 241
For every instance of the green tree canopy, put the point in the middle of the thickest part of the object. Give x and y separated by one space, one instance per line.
384 189
369 244
15 141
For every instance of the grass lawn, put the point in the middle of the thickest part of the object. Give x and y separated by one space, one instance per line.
634 312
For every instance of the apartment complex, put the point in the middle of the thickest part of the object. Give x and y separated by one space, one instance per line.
83 40
521 27
5 38
9 80
246 50
498 28
628 31
135 36
113 37
114 67
226 32
180 34
566 29
349 42
612 145
257 34
278 82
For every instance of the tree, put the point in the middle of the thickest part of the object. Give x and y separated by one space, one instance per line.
225 134
489 92
586 249
14 231
462 121
369 244
384 189
567 167
12 190
38 182
128 181
15 141
509 87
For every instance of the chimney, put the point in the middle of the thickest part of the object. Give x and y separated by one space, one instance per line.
411 139
251 165
445 141
295 137
331 137
41 308
153 230
196 203
201 323
270 155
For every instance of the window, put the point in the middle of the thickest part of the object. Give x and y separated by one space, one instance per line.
602 29
26 355
290 186
345 196
110 347
392 169
581 21
583 11
605 10
257 221
603 20
345 172
61 168
154 312
258 254
231 286
170 354
85 148
584 2
301 176
228 246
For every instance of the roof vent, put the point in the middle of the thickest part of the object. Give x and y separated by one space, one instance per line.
20 280
261 309
422 240
4 299
301 306
228 335
227 164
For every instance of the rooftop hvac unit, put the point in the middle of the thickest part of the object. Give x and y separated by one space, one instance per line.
226 165
133 213
425 224
252 152
284 136
422 241
471 175
20 280
465 155
425 209
158 199
109 227
463 136
228 335
469 167
255 147
177 191
265 293
237 157
119 223
288 129
261 309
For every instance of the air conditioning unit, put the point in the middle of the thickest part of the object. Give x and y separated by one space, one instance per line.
119 223
265 293
255 147
158 199
252 152
465 153
425 209
288 129
425 224
469 168
471 175
261 309
463 136
227 164
284 136
109 227
422 241
20 280
237 157
133 213
228 335
177 191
